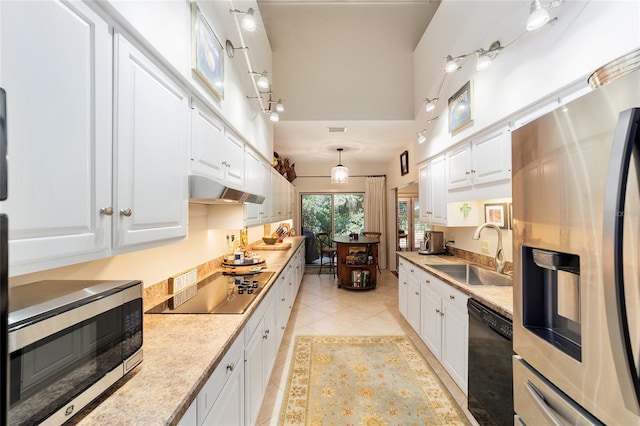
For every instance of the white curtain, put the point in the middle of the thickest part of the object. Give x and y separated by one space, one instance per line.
375 215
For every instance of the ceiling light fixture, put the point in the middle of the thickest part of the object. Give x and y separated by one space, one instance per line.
263 81
231 50
430 104
339 174
248 20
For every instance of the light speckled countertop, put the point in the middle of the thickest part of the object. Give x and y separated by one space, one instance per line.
180 353
498 298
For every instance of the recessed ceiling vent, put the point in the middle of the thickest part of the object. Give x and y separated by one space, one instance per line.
336 129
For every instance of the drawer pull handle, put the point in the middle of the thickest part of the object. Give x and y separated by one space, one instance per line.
230 367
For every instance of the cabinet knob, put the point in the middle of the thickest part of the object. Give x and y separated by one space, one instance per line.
125 212
224 163
441 314
283 299
473 171
428 281
417 293
230 367
437 311
452 297
412 270
467 173
107 211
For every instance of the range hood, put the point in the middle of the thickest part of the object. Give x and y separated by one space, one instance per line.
203 190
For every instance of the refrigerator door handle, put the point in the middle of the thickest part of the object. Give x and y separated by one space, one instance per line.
626 142
538 398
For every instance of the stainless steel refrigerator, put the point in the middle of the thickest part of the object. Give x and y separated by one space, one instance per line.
576 233
4 267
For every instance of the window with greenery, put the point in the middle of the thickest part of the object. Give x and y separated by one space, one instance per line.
337 214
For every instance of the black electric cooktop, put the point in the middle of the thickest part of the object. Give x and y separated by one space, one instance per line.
208 296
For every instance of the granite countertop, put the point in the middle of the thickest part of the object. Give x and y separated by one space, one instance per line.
498 298
181 351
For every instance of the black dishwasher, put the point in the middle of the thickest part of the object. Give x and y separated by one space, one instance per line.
490 398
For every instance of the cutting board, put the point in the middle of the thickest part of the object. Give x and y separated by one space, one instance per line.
276 246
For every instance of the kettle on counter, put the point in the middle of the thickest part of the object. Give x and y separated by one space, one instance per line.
433 243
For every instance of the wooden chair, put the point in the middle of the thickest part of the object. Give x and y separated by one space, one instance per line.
326 247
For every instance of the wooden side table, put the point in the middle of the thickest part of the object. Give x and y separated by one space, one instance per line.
357 262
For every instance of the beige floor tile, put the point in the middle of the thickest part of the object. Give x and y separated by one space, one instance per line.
323 308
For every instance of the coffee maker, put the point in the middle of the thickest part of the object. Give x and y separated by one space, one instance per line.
433 243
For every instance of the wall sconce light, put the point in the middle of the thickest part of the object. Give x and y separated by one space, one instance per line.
231 50
263 80
248 20
430 104
539 14
339 174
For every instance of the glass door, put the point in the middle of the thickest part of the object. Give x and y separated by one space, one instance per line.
410 232
335 214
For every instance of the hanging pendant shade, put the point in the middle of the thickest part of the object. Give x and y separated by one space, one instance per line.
339 174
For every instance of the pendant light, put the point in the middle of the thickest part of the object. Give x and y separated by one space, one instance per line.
339 174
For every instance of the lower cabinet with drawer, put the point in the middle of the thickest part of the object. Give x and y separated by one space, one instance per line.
444 325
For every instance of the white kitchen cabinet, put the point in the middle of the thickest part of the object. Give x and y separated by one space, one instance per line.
259 355
221 400
432 191
151 152
259 173
413 297
475 165
280 196
403 286
444 325
215 152
56 67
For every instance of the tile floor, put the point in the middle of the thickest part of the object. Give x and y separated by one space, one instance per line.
322 308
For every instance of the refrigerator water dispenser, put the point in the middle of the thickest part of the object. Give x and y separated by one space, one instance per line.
551 298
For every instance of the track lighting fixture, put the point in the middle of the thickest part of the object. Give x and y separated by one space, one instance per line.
231 49
486 57
452 64
539 14
273 115
263 81
430 104
248 20
279 105
421 136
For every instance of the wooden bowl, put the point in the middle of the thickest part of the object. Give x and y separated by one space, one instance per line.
269 240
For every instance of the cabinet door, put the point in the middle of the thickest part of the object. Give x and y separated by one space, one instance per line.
425 198
151 140
282 306
413 298
438 188
254 370
253 177
431 318
234 154
455 331
459 173
207 144
56 68
492 158
403 288
229 407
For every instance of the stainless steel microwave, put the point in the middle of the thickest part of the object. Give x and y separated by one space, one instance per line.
69 341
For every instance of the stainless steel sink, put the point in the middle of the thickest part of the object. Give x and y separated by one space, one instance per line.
474 275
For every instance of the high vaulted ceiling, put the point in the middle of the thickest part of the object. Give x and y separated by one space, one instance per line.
344 64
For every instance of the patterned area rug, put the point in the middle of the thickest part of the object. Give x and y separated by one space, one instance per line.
364 380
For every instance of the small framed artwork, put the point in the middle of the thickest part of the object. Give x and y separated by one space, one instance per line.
461 108
497 213
404 163
207 57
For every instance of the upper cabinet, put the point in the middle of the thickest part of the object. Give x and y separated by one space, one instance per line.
215 152
57 72
152 146
481 163
432 191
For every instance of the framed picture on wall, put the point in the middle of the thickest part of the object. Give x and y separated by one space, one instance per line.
461 108
207 56
498 214
404 163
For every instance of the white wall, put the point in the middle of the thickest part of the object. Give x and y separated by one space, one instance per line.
539 64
